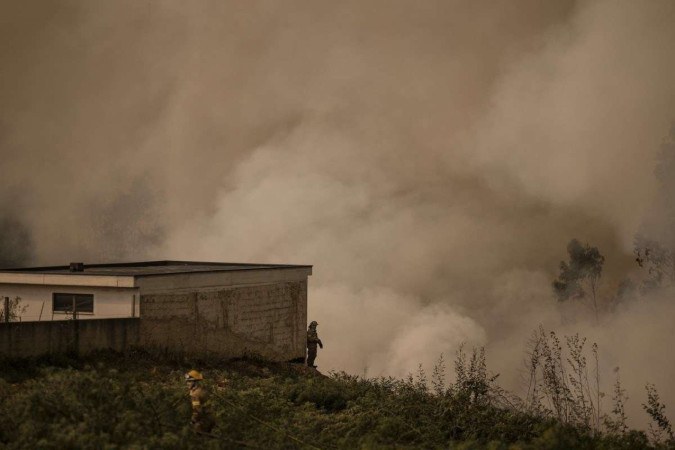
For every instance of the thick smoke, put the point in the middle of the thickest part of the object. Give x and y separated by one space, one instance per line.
15 243
432 161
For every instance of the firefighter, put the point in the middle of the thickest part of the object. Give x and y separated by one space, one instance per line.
312 341
201 420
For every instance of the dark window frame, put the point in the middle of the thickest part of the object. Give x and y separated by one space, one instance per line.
81 300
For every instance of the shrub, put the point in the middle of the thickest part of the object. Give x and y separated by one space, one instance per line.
114 401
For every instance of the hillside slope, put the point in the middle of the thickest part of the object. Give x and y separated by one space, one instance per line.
137 400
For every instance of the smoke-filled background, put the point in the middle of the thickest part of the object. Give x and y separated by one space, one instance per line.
431 159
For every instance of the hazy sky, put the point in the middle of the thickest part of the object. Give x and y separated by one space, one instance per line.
430 159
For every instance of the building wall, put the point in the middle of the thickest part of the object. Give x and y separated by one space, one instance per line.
24 339
108 302
268 319
188 282
229 313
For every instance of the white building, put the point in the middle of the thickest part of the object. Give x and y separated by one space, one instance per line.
181 305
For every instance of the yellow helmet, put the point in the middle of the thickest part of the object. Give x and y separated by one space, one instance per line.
193 375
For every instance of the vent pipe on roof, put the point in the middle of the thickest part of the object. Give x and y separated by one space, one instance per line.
76 267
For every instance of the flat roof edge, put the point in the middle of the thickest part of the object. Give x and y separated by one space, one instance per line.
194 272
165 262
42 279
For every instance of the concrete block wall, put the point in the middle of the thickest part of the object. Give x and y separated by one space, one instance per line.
267 319
24 339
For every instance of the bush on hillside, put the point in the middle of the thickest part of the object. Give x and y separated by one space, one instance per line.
111 401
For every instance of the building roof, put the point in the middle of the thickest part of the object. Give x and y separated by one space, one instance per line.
149 268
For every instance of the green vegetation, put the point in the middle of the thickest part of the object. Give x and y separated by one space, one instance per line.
579 276
11 310
138 400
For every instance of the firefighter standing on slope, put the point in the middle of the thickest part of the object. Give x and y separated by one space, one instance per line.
201 420
312 341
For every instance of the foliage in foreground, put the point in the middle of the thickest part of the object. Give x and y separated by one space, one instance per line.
139 401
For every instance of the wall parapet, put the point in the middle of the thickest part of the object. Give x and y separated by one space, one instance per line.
26 339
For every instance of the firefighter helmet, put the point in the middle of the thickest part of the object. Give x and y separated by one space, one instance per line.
193 375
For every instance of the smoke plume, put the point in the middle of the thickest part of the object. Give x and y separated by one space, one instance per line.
432 160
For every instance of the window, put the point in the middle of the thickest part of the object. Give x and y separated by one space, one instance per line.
84 303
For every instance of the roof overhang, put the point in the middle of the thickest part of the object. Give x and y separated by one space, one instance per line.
67 280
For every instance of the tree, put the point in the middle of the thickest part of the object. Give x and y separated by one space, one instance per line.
655 244
15 309
657 260
580 274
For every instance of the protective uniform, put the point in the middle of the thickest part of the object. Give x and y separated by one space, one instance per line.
312 341
201 420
